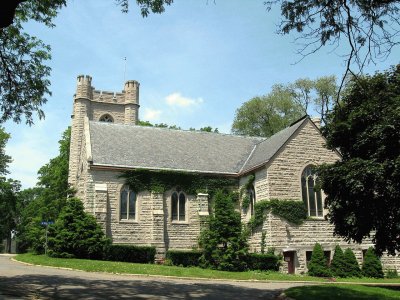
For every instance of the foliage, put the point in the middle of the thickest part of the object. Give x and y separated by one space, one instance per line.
160 181
368 28
291 210
364 187
338 263
245 190
76 233
45 201
391 273
24 83
8 209
318 265
372 266
147 6
351 267
8 194
266 115
263 262
184 258
163 125
130 253
224 243
263 242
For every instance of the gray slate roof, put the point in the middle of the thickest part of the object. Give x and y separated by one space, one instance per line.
129 146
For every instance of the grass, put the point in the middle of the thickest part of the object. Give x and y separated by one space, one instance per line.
152 269
342 291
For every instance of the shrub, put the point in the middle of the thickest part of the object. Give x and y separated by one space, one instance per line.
263 262
224 243
372 266
318 266
337 264
391 273
351 267
184 258
76 233
130 253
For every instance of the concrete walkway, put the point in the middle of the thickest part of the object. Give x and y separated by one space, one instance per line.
21 281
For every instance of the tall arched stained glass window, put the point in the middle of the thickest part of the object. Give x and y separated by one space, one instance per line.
311 192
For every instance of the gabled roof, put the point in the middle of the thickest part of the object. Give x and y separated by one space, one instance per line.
267 148
130 146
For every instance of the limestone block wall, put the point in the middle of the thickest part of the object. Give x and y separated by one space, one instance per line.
98 109
183 234
305 148
100 192
80 109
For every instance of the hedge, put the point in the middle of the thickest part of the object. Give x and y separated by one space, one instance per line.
130 253
263 262
184 258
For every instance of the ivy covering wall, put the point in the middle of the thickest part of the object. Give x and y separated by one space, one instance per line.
294 211
161 181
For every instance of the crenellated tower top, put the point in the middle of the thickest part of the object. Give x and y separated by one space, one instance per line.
131 90
84 87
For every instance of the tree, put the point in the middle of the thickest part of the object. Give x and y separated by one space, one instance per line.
224 243
372 266
338 264
46 200
8 209
351 267
368 28
363 189
266 115
8 194
318 265
319 94
76 233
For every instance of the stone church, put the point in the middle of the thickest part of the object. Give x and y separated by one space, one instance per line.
106 142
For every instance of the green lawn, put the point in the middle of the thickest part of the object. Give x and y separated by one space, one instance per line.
342 292
152 269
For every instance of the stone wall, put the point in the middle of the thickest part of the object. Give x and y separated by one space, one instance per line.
283 175
153 224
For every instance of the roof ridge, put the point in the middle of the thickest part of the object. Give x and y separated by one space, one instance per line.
259 139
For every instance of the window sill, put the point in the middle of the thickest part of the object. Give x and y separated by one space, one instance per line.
128 221
179 223
309 218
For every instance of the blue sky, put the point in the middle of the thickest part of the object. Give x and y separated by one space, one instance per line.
196 64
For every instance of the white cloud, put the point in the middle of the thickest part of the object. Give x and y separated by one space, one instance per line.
176 99
151 114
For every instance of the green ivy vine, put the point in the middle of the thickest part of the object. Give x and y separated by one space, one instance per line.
293 211
161 181
244 191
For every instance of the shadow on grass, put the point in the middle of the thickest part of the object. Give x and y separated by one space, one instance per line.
34 286
348 292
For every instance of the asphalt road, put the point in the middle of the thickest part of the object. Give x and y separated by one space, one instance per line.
21 281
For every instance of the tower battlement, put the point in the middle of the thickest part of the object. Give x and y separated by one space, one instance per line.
84 87
98 105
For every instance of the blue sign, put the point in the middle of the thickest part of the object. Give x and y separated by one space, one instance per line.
45 223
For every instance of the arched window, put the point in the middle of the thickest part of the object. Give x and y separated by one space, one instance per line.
311 192
178 206
106 118
127 204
